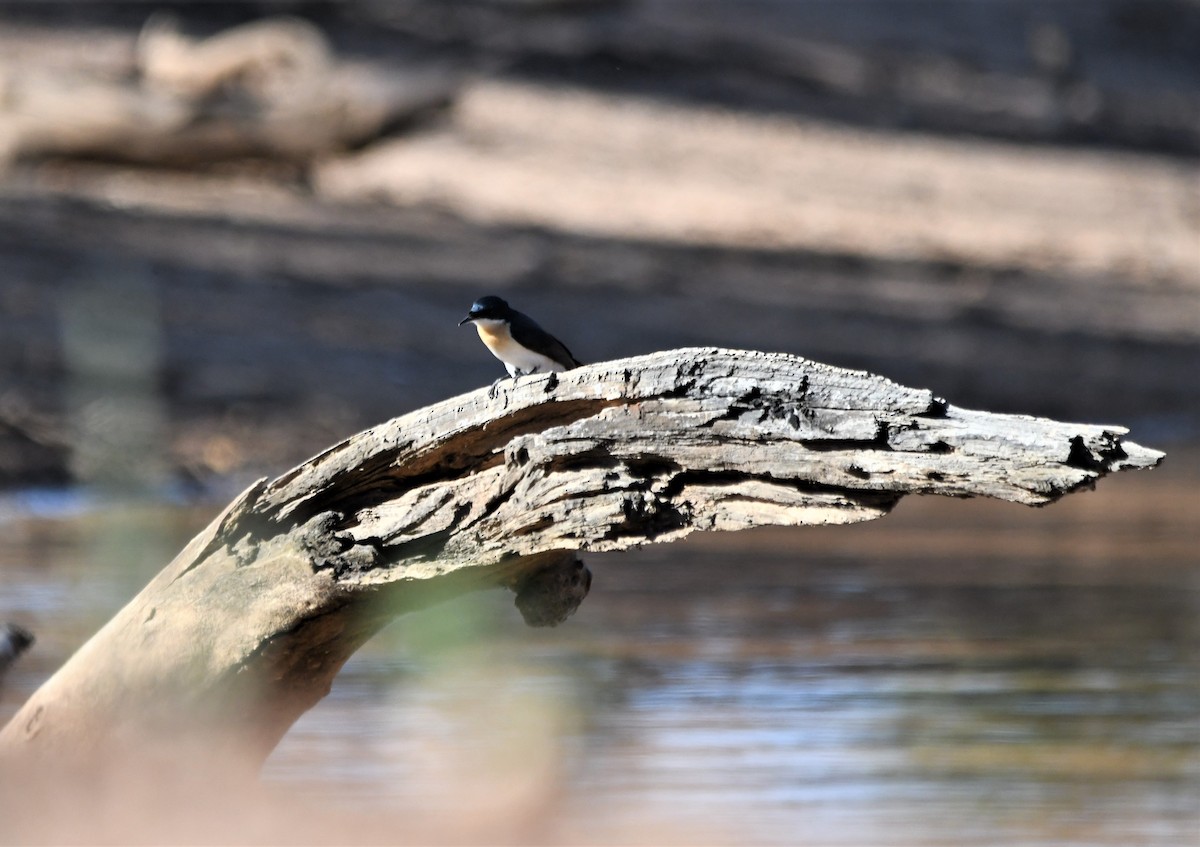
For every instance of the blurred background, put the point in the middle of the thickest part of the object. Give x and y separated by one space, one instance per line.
232 234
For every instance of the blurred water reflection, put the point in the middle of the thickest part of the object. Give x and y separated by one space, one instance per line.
960 673
112 346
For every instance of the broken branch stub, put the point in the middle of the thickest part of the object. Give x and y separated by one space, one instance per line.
246 629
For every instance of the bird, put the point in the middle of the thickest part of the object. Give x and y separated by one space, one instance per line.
516 340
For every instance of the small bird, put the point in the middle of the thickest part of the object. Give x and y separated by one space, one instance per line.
516 339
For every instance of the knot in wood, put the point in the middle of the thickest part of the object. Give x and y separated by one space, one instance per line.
551 595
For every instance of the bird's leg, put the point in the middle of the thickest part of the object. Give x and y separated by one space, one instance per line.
513 373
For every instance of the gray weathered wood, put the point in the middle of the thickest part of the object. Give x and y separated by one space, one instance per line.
248 626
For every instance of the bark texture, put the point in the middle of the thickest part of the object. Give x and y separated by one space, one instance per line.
246 629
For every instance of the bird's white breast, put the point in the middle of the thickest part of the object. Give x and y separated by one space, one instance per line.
499 340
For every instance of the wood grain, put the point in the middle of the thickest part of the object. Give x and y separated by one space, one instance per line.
246 629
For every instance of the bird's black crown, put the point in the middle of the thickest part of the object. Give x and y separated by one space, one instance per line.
489 307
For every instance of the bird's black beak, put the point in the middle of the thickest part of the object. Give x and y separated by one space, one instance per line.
466 320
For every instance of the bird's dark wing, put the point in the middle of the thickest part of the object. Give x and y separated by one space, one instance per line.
525 331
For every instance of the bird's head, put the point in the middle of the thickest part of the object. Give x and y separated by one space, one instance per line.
487 308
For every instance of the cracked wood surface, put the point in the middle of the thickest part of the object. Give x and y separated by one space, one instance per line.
246 629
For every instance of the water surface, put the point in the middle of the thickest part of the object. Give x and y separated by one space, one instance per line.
959 673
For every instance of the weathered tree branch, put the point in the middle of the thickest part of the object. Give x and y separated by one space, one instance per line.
271 88
246 629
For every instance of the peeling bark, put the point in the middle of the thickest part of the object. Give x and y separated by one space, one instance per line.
246 629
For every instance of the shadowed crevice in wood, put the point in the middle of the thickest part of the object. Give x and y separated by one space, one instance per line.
248 626
372 467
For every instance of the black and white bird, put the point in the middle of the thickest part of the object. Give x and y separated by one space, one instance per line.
516 339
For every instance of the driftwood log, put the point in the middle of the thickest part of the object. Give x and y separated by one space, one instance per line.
271 89
246 629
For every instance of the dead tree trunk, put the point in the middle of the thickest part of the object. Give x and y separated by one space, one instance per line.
246 629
